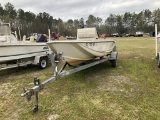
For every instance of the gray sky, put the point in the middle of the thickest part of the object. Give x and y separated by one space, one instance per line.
76 9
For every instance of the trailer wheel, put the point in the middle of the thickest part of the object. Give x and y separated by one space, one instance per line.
43 62
114 63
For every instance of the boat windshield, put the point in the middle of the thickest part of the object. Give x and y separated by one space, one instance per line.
4 30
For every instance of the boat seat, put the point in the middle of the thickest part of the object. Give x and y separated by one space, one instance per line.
87 34
24 38
32 39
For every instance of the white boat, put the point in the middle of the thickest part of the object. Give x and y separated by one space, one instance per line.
87 46
12 50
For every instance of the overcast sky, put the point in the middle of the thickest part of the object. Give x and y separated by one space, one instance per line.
76 9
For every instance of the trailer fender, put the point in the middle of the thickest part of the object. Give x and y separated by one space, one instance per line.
37 59
113 56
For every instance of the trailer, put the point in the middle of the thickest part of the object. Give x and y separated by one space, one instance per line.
59 73
40 60
139 34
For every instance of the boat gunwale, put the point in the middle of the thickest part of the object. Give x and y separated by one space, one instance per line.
79 41
28 53
22 44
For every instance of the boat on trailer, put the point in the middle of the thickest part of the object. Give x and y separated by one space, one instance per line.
86 47
73 52
13 51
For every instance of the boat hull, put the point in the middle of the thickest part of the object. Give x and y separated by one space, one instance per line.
76 52
15 51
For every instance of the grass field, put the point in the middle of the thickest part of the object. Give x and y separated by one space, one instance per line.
130 91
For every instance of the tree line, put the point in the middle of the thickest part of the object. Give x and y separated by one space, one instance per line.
28 22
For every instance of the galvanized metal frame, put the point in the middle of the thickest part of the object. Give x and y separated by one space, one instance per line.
28 93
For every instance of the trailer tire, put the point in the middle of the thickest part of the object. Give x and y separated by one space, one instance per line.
114 63
43 62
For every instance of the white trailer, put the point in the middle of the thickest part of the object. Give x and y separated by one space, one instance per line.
139 34
40 60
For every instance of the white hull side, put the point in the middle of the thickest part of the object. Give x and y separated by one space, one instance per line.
98 49
14 51
76 52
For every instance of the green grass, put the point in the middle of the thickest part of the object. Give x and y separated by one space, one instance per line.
130 91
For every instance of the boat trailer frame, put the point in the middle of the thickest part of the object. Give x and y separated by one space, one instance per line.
55 59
